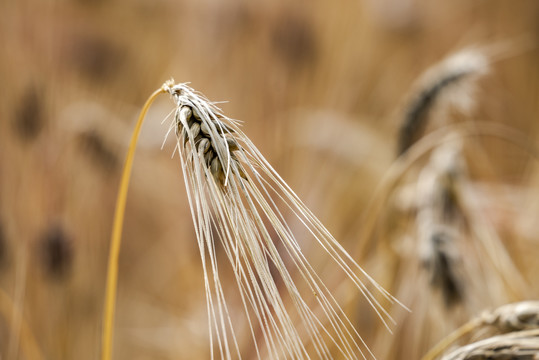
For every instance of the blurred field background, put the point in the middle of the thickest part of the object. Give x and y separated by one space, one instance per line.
322 89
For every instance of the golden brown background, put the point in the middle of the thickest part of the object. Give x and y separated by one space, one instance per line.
320 87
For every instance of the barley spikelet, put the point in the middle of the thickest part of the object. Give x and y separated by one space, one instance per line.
439 259
436 216
456 72
232 192
518 316
522 345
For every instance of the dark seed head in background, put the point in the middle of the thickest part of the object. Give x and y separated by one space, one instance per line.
29 117
441 265
99 152
3 246
56 252
95 57
294 40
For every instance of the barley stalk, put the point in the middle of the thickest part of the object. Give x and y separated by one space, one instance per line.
114 252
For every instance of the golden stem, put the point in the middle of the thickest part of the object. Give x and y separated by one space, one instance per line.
116 238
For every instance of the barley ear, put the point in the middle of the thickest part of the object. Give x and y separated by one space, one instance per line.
516 317
114 252
520 345
459 70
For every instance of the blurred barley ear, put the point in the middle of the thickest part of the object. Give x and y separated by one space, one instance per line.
521 345
513 318
518 316
439 261
451 80
29 118
429 142
438 208
56 252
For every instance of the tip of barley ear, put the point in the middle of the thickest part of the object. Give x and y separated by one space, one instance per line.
450 81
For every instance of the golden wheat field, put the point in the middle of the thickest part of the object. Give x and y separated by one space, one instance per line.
321 179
